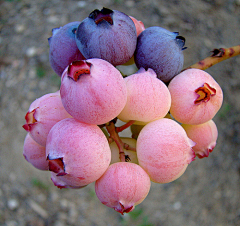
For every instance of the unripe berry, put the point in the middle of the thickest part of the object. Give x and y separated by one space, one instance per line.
148 97
65 181
34 153
78 152
196 97
123 186
138 24
164 150
205 135
43 114
93 91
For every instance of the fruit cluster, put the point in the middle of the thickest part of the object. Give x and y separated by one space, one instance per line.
72 132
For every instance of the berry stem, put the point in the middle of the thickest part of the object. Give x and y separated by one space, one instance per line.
217 56
128 147
114 135
125 126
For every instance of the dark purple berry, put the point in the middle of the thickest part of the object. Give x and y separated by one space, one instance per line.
63 48
107 34
161 50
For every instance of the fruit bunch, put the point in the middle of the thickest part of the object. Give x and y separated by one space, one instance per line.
73 132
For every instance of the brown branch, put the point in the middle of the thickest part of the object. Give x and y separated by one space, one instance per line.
125 126
128 147
114 135
217 56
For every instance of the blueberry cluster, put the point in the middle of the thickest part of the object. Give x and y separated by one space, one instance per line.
72 132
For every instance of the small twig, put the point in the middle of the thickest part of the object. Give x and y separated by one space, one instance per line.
125 126
217 56
128 147
114 135
110 140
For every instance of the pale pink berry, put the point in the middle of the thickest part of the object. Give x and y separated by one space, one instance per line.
43 114
123 186
79 153
34 153
196 97
139 28
164 150
65 181
138 24
148 97
93 91
205 135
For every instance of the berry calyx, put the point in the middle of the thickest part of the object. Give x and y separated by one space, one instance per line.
30 120
204 93
78 68
57 166
104 15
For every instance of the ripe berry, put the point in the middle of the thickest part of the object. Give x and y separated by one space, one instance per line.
107 34
63 48
161 50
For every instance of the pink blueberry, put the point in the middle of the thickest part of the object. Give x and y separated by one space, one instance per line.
93 91
164 151
196 97
205 135
123 186
43 114
79 153
34 153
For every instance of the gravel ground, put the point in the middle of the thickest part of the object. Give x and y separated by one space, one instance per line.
208 192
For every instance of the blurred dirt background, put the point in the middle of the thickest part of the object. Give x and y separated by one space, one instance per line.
207 194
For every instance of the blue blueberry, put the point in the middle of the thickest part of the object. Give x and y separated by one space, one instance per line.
63 49
107 34
161 50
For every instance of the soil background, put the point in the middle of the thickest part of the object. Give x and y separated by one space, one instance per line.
206 194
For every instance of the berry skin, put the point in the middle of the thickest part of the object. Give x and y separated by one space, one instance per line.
148 97
196 97
161 50
43 114
34 153
107 34
63 48
123 186
65 181
205 135
93 91
164 150
77 152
